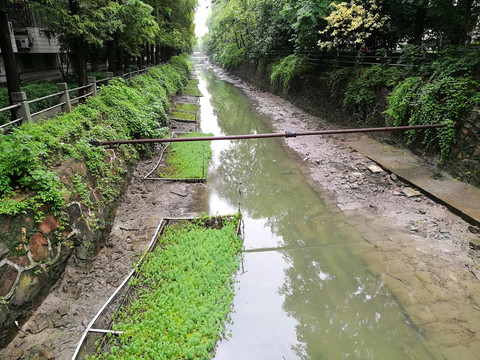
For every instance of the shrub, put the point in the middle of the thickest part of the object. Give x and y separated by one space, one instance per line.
284 71
361 91
440 100
231 56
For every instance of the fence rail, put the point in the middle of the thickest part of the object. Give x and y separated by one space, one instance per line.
350 59
21 107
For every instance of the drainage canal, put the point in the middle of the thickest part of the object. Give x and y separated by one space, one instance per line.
302 292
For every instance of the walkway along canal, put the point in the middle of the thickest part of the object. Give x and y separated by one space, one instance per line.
310 286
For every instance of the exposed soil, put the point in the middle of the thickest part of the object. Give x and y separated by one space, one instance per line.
418 247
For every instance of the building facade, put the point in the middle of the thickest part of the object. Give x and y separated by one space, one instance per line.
37 51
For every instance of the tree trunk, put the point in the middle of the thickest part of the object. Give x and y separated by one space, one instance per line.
112 56
147 53
157 54
419 24
119 62
152 55
80 61
126 63
78 51
13 81
467 20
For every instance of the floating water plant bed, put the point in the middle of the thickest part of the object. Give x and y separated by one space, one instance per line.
186 107
192 92
176 302
183 115
184 161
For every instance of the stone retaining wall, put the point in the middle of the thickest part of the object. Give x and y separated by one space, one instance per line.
34 251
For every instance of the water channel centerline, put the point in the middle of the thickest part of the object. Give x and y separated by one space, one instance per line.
303 292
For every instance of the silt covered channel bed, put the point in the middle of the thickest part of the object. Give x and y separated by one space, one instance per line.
302 291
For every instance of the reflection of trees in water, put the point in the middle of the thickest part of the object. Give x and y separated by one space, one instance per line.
342 315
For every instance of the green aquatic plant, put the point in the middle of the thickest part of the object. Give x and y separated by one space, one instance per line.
184 292
186 107
187 160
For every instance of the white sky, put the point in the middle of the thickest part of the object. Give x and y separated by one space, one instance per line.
203 9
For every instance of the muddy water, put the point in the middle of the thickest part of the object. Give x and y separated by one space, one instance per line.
301 292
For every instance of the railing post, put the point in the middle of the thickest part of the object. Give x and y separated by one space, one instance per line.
64 97
109 76
24 110
92 80
130 74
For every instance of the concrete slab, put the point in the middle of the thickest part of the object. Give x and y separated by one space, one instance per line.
460 197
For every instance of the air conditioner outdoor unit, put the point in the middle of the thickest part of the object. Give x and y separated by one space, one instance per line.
23 43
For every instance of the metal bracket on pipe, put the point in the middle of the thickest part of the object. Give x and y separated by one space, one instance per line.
290 134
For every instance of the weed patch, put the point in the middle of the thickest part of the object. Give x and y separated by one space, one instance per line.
184 292
185 159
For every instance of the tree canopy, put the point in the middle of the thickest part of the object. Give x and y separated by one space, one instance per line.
297 26
129 28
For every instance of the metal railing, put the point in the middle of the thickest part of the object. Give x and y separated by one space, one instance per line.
350 59
22 107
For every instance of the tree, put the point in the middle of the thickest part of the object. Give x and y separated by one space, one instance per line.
79 23
13 81
351 24
137 29
177 29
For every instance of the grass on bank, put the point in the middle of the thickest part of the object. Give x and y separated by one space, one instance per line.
185 159
186 107
183 115
184 294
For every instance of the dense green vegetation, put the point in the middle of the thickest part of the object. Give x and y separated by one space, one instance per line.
437 42
124 31
184 291
185 160
30 153
38 90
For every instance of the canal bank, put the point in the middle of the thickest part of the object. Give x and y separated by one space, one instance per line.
409 253
415 246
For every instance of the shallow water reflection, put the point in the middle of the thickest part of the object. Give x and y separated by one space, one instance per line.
302 293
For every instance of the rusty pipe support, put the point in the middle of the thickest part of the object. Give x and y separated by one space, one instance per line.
267 135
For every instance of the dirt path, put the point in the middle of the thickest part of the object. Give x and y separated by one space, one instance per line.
418 247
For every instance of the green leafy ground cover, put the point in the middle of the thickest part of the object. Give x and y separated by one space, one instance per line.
184 294
185 159
120 111
182 115
186 107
